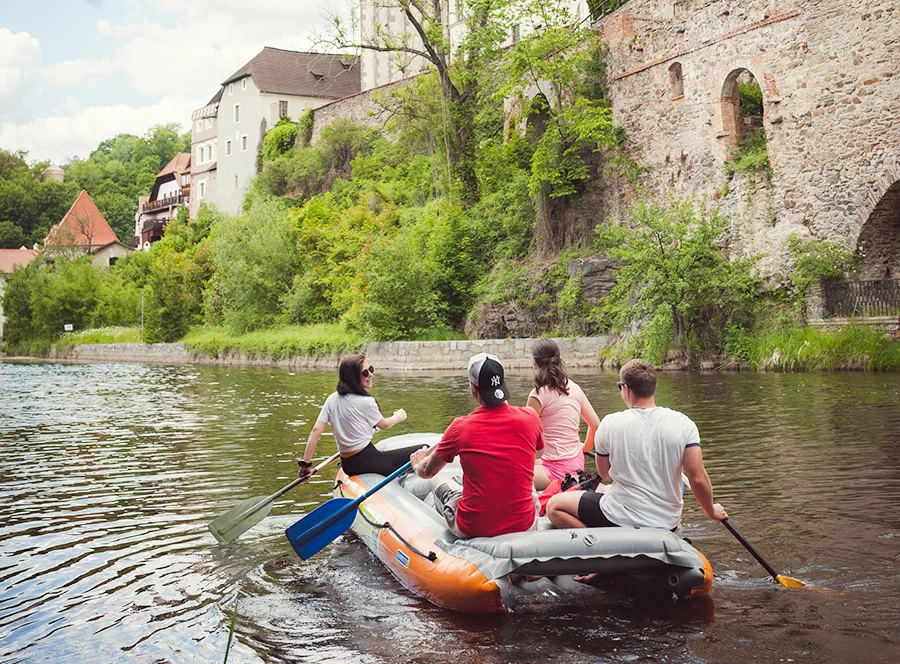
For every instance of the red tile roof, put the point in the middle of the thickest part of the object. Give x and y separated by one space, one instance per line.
82 220
10 258
323 75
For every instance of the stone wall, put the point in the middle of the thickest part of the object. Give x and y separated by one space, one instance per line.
365 108
830 76
398 355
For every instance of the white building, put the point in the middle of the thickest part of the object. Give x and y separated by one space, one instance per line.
382 21
204 153
274 84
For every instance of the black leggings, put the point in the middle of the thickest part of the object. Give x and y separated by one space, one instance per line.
372 460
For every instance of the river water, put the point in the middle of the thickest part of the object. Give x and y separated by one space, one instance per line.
109 474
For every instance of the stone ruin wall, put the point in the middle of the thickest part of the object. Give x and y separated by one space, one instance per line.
830 75
366 108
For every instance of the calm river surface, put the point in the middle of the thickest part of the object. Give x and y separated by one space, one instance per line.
110 473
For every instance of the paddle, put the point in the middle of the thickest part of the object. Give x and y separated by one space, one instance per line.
242 518
783 580
330 520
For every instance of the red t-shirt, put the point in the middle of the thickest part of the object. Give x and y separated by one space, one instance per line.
496 448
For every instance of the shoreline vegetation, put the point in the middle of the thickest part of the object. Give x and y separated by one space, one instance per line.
458 219
853 348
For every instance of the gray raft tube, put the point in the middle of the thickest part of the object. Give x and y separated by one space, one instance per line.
548 552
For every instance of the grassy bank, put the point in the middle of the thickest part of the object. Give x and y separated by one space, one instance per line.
855 348
275 343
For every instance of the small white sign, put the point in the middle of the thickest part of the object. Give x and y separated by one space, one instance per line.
68 327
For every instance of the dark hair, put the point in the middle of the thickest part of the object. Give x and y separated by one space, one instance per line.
550 371
640 377
349 376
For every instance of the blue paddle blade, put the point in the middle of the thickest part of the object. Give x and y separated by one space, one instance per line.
322 526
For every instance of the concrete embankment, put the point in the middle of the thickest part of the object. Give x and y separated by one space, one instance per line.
396 355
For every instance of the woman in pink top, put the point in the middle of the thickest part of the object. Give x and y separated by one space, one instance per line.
562 405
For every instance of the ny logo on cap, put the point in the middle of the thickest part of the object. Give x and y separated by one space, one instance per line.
495 380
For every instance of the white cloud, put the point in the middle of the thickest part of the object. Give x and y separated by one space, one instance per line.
87 73
172 51
20 56
79 131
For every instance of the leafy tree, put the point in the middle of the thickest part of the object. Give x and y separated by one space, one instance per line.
255 260
486 29
674 274
65 293
569 120
11 236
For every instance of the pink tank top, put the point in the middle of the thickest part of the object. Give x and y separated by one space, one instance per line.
561 419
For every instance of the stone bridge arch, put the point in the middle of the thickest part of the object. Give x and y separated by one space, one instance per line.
879 232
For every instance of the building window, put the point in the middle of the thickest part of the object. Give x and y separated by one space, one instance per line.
227 148
202 190
676 81
237 113
209 123
282 109
231 88
243 84
244 143
199 125
235 182
516 33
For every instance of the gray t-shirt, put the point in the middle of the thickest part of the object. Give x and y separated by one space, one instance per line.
352 418
646 448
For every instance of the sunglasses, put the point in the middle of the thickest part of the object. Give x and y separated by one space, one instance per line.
621 385
368 372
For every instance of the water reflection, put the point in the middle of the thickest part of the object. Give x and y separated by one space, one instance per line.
110 473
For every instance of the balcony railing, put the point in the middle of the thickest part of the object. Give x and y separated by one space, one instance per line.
163 203
879 297
600 8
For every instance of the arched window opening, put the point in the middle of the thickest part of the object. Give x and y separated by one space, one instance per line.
742 120
676 81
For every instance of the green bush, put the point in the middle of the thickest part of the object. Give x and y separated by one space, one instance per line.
255 260
279 140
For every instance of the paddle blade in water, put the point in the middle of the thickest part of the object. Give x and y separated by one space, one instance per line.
789 582
322 526
240 519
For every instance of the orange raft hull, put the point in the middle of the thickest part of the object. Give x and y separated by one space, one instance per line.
474 576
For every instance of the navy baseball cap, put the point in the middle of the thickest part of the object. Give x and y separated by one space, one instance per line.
486 373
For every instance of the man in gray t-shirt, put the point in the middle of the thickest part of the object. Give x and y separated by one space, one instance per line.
644 450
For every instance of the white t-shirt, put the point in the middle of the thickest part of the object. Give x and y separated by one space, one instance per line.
352 418
646 448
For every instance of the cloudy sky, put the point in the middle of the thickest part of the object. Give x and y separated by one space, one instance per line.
74 72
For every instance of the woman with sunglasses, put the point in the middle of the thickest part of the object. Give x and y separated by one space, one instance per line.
561 405
354 416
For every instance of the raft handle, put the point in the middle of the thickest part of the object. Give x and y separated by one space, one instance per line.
431 555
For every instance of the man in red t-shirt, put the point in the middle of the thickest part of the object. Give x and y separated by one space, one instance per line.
497 445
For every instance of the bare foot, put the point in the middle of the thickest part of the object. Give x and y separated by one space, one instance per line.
588 579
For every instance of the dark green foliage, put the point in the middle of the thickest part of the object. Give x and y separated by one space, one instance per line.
11 235
279 140
675 278
66 292
751 99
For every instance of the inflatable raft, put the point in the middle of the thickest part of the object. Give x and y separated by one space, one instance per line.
489 574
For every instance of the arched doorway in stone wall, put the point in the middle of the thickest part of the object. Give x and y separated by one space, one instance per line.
875 291
742 109
537 117
880 238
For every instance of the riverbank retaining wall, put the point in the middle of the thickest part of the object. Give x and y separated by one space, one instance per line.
583 352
